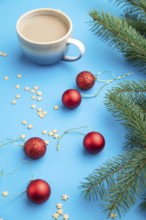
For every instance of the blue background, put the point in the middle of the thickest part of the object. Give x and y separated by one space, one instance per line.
64 170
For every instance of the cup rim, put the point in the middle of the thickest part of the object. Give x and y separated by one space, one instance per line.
58 11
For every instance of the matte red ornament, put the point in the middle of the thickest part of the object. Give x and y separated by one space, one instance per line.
35 148
71 98
38 191
85 80
94 142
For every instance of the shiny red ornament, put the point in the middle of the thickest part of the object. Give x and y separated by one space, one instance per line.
85 80
38 191
71 98
94 142
35 148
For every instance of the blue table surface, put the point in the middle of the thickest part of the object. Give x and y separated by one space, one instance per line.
64 170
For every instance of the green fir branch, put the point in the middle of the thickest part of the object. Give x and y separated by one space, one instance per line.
129 110
101 179
139 25
131 86
130 184
135 90
142 205
118 33
118 182
135 14
136 18
139 4
132 140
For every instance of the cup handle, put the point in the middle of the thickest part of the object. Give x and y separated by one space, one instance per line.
79 45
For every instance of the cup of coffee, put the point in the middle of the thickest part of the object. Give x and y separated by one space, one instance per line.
44 35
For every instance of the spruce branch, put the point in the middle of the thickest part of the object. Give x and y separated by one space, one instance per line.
142 205
136 18
139 4
134 14
118 182
102 178
129 186
118 33
131 87
139 25
135 90
129 112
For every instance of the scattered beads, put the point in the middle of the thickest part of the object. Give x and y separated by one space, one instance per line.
19 76
59 212
13 102
55 215
56 107
113 215
17 86
32 91
59 205
3 54
35 87
17 96
33 97
47 142
39 93
22 136
44 132
24 122
5 194
26 88
65 216
30 126
6 78
39 98
33 106
65 197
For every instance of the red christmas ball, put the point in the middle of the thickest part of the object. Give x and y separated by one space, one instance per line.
38 191
35 148
71 98
85 80
94 142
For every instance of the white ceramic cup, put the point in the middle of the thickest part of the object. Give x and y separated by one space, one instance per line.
46 53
